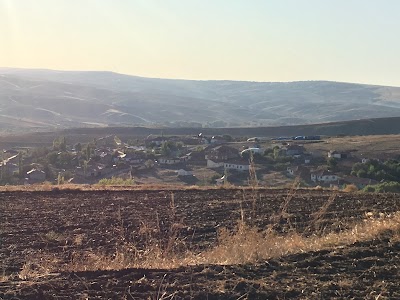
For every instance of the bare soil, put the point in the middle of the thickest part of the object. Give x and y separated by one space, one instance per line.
67 224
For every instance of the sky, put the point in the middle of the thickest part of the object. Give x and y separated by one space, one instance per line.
252 40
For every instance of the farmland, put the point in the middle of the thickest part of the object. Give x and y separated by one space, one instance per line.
168 244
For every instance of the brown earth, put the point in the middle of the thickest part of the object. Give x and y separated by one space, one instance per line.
69 224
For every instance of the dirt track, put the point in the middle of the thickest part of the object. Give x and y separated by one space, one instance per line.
66 223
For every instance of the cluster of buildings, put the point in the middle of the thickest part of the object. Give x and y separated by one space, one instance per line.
11 165
109 158
322 175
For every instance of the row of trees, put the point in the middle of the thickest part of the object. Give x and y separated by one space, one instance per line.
389 170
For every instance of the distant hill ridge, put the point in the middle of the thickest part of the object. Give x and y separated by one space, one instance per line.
379 126
50 99
382 126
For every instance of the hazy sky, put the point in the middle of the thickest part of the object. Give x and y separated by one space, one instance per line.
261 40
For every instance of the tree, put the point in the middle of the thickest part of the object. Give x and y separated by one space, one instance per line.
20 165
60 144
64 160
166 149
63 144
149 164
277 152
78 147
89 150
227 137
52 157
85 166
361 173
332 163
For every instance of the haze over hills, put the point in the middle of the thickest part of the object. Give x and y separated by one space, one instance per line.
61 99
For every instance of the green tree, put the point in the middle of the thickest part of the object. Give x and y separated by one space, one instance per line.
20 165
89 150
166 149
78 147
332 163
227 137
361 173
60 144
277 152
52 157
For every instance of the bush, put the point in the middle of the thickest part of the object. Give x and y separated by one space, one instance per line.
385 187
116 181
350 188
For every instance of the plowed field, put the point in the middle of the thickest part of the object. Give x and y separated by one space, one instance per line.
69 224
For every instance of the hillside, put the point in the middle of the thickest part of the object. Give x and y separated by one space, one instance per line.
381 126
60 99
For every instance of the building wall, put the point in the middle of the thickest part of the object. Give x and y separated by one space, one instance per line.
236 167
212 164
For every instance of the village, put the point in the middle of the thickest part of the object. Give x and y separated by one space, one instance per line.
196 160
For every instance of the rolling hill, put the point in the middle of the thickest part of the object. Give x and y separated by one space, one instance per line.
47 99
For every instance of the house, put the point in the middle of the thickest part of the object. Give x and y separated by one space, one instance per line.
168 161
190 140
195 157
253 139
36 175
252 150
221 153
337 154
294 150
217 139
10 151
12 168
299 171
365 160
93 169
135 158
214 163
118 156
323 176
220 181
97 170
185 158
237 164
158 141
136 148
204 140
184 172
307 158
9 168
105 158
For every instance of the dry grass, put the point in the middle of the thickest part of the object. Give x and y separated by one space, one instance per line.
38 265
246 244
140 187
96 187
350 188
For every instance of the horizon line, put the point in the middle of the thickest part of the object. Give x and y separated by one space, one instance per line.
187 79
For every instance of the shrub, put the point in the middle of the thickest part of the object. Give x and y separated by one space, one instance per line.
350 188
116 181
385 187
